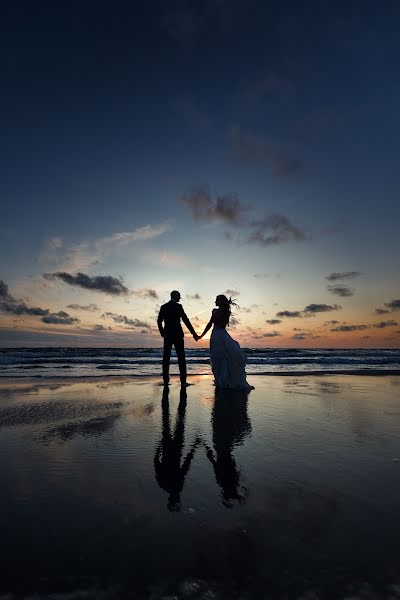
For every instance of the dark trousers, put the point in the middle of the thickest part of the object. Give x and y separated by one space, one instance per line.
180 353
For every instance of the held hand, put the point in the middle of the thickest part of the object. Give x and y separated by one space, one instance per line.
196 337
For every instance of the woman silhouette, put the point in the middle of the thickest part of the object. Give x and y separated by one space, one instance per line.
227 359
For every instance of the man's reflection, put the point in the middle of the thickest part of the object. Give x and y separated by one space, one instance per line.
230 425
169 471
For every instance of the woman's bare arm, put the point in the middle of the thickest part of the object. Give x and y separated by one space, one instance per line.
208 326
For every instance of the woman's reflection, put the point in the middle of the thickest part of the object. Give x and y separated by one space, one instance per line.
169 471
230 425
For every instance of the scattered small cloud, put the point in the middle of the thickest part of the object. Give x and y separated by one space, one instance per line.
290 314
343 275
340 290
195 296
124 320
99 327
99 283
331 322
319 308
382 311
393 305
275 229
299 336
383 324
273 321
270 334
59 318
145 293
226 209
346 328
85 307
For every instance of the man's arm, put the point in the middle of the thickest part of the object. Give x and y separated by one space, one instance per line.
160 321
188 323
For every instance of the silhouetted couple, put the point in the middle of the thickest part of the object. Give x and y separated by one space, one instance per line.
227 359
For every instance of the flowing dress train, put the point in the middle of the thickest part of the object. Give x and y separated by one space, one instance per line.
228 361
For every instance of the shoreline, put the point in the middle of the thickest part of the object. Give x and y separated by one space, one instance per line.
152 377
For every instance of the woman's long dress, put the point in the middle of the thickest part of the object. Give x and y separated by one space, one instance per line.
228 361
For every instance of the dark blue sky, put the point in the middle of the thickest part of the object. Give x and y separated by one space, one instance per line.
111 111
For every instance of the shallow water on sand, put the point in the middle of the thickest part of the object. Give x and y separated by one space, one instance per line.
126 490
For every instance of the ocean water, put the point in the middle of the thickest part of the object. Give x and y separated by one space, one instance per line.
97 362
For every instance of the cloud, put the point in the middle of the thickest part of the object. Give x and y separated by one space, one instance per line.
318 308
86 307
99 327
273 321
299 336
195 296
20 308
252 148
225 209
124 320
59 318
393 305
274 229
383 324
99 283
382 311
229 292
346 328
4 294
146 293
331 322
147 232
9 304
340 290
343 275
310 309
289 314
271 334
88 253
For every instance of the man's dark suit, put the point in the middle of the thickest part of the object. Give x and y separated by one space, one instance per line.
171 314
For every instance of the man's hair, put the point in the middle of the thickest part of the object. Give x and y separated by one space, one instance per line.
175 293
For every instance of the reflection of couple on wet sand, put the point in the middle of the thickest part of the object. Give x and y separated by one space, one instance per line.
230 425
227 359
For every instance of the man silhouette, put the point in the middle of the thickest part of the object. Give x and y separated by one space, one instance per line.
171 314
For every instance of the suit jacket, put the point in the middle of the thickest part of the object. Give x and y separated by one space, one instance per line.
171 314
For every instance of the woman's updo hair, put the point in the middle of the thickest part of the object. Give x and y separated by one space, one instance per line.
225 304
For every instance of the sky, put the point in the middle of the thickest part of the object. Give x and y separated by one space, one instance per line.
214 146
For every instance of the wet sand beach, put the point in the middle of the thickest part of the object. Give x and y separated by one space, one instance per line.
117 488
